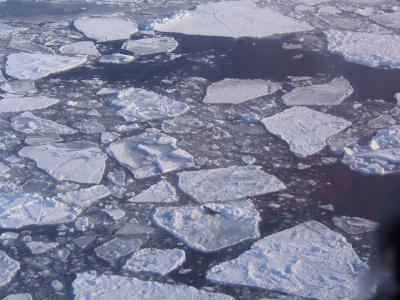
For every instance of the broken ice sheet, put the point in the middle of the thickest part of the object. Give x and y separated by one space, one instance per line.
7 30
236 91
308 260
80 48
9 268
354 225
308 129
228 184
161 192
210 227
331 93
20 104
117 248
149 46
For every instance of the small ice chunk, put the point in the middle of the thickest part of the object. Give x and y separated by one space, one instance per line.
20 104
116 58
84 197
115 213
106 29
41 247
354 225
9 268
149 46
308 260
34 66
228 184
80 48
308 129
117 248
236 91
81 162
161 192
332 93
23 296
19 87
117 177
132 228
3 169
210 227
155 261
107 91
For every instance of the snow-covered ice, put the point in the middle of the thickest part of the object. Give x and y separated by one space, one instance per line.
149 46
228 184
236 91
117 248
161 192
84 197
212 226
308 260
23 296
41 247
9 268
80 48
116 58
354 225
308 129
20 104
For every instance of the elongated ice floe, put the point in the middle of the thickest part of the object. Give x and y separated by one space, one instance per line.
34 66
23 296
9 268
80 48
210 227
370 49
149 46
116 58
150 153
81 162
331 93
231 19
304 129
354 225
228 184
106 29
156 261
308 260
117 248
139 105
161 192
20 104
105 287
41 247
236 91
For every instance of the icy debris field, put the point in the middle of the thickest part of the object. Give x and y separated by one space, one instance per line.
210 150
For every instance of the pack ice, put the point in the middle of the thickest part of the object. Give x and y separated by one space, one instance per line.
34 66
80 48
231 19
210 227
354 225
236 91
19 104
9 268
308 260
105 287
370 49
161 192
228 184
308 129
106 29
332 93
149 46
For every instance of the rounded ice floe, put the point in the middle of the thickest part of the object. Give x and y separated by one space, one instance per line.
331 93
161 192
19 104
354 225
23 296
34 66
9 268
308 260
236 91
308 129
80 48
106 29
105 287
228 184
149 46
155 261
231 19
210 227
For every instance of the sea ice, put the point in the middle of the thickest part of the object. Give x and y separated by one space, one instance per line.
3 169
139 105
161 192
150 153
7 30
81 162
231 19
106 29
155 261
23 296
80 48
116 58
19 104
149 46
34 66
105 287
41 247
391 20
9 268
236 91
84 197
228 184
332 93
210 227
19 87
308 260
308 129
354 225
117 248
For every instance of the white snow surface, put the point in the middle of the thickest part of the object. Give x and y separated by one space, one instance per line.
149 46
161 192
354 225
20 104
80 48
9 268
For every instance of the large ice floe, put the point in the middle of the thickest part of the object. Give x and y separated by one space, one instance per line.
20 104
161 192
370 49
331 93
212 226
231 19
80 48
150 153
81 162
308 129
139 105
228 184
34 66
105 287
149 46
106 29
308 260
354 225
236 91
9 268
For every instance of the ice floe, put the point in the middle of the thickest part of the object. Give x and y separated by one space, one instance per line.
41 247
117 248
20 104
332 93
9 268
149 46
354 225
19 87
80 48
84 197
34 66
391 20
23 296
106 29
231 19
150 153
308 260
308 129
228 184
210 227
81 162
116 58
236 91
161 192
7 30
